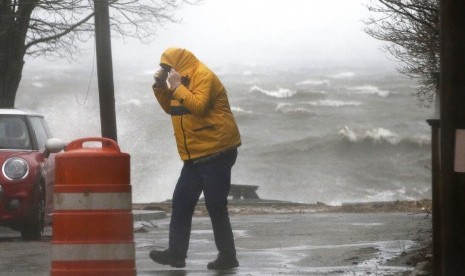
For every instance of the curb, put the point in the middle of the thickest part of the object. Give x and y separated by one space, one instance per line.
142 215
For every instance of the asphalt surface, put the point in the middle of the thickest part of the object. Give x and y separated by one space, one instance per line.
297 244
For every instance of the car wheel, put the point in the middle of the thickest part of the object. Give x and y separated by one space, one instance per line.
34 229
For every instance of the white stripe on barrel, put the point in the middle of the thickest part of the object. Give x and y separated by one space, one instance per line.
93 252
92 201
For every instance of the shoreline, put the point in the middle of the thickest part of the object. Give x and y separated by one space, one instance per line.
263 206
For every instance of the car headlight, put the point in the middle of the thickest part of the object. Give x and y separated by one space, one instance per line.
15 168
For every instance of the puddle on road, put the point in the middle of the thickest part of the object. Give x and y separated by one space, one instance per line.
343 259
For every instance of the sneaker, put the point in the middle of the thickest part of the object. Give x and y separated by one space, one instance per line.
165 258
223 262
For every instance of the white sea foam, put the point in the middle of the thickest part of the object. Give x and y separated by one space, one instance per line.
303 107
236 109
387 195
369 89
333 103
312 82
293 108
375 135
388 250
384 251
382 134
421 140
280 93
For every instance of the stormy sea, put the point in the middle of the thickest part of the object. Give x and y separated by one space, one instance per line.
333 135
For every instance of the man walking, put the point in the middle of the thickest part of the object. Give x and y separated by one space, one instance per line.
207 138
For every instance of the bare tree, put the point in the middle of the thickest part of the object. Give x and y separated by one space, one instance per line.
411 30
57 28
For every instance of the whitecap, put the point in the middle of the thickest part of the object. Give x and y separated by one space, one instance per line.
333 103
382 134
420 140
376 135
388 250
287 108
280 93
348 134
312 82
303 107
370 89
236 109
384 195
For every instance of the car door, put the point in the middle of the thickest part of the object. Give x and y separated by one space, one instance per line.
48 166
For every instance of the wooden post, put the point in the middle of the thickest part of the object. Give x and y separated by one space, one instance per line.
452 81
105 70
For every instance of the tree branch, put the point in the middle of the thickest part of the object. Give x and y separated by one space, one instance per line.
410 29
61 34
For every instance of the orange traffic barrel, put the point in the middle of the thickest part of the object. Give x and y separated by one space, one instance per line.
92 219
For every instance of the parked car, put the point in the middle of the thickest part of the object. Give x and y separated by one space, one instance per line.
28 172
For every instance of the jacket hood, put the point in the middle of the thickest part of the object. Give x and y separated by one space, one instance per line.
182 60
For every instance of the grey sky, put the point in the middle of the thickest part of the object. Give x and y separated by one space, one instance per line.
269 32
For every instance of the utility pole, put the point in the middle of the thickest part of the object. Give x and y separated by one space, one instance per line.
436 192
452 179
105 70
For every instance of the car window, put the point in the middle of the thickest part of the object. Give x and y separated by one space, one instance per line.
14 133
41 131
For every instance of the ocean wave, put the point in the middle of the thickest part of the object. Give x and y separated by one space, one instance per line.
287 108
236 109
303 107
375 135
381 135
280 93
333 103
369 89
316 92
312 82
421 140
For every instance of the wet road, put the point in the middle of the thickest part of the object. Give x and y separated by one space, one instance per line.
298 244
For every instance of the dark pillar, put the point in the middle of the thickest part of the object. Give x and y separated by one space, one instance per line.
437 203
452 80
105 70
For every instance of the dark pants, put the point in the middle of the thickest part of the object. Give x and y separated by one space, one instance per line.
213 177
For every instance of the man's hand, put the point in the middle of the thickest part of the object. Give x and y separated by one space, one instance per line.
174 79
160 78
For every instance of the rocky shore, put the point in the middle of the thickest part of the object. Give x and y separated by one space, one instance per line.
262 206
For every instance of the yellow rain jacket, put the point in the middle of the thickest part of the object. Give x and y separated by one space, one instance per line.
202 119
